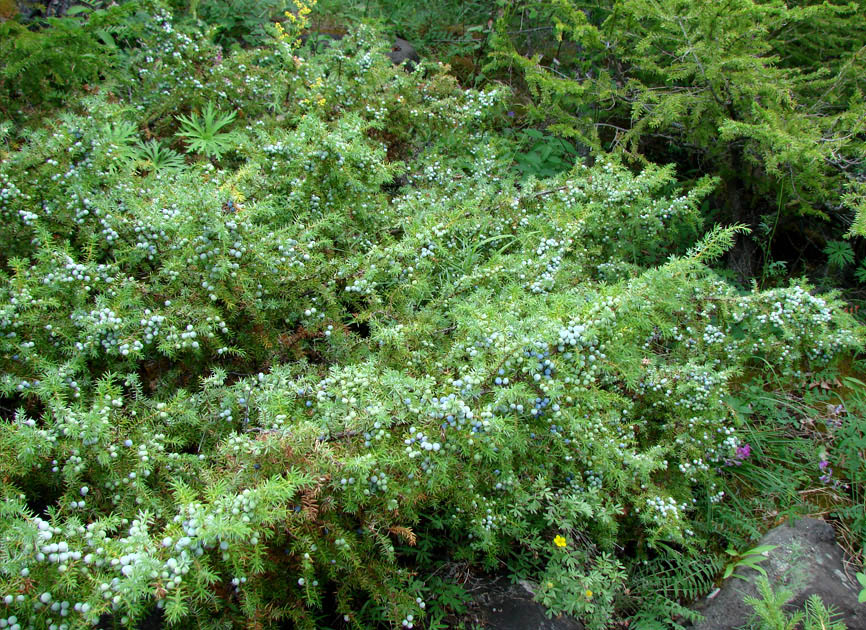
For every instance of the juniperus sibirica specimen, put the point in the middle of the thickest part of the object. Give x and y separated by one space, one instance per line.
266 381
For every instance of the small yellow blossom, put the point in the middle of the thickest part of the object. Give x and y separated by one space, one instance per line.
588 593
559 541
297 21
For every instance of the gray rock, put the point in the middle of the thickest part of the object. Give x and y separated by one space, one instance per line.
31 9
402 51
505 606
806 561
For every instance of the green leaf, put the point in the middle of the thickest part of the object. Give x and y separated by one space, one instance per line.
202 132
854 383
106 38
760 550
839 254
77 10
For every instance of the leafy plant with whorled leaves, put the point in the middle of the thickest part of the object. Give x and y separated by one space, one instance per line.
154 157
839 254
203 132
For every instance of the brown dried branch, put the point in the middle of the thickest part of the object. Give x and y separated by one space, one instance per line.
405 533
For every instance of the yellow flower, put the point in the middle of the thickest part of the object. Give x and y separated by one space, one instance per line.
588 593
559 541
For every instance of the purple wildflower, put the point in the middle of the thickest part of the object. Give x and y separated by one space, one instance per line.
827 477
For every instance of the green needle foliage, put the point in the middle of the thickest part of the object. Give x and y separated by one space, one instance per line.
766 95
769 614
280 388
41 62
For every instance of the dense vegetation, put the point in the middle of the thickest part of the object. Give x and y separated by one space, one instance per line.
287 333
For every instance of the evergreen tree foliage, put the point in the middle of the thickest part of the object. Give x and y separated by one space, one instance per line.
766 95
41 62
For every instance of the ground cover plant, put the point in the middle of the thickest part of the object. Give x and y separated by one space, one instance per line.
281 333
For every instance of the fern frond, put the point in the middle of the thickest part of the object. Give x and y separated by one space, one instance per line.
679 576
663 583
659 611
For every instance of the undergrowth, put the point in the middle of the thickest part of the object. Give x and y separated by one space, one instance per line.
285 338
